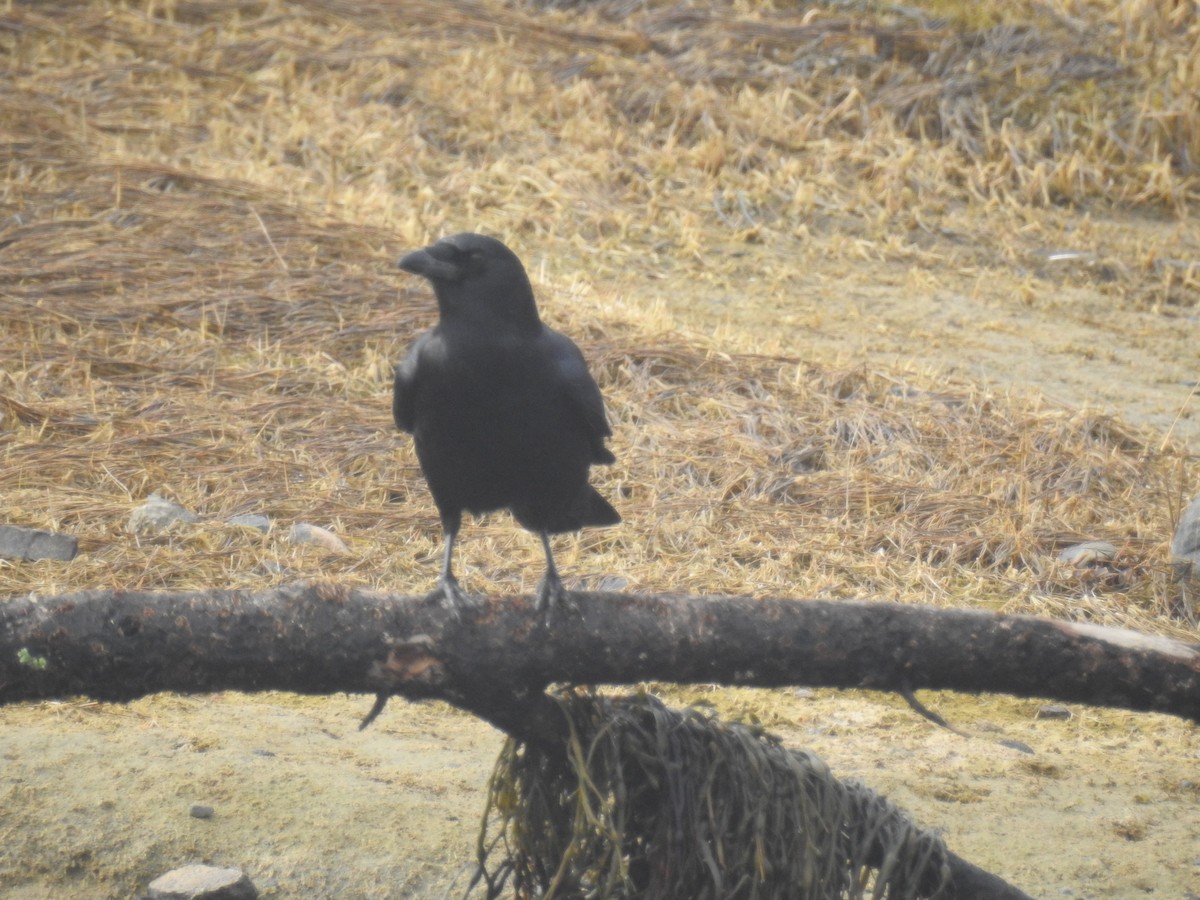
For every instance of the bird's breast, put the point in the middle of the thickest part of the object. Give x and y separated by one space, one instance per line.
494 428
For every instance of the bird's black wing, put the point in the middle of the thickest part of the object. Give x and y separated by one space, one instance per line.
580 390
404 385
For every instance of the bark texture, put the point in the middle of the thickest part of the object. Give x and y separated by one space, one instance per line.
322 638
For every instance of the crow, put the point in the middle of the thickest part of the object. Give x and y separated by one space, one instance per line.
502 409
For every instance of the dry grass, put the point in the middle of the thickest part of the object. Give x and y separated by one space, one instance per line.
651 799
197 297
201 204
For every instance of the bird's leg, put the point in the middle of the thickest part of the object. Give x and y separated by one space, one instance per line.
551 592
448 592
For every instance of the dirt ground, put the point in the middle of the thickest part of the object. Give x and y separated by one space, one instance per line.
95 799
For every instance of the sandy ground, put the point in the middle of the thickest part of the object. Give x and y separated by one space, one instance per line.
1107 806
95 799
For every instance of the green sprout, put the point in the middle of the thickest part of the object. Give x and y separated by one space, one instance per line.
25 658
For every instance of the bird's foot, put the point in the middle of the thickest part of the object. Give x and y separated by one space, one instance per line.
551 595
450 594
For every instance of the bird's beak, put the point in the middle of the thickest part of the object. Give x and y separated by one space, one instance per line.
422 262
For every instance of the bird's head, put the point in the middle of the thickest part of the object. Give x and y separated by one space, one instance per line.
476 278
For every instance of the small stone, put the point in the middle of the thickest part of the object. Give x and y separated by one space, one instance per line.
1186 542
1053 711
200 811
251 520
1088 553
203 883
32 543
157 514
610 584
307 533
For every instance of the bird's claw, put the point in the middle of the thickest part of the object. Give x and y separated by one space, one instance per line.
551 595
449 594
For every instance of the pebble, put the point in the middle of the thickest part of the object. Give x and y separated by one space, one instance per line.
32 543
200 811
1186 542
307 533
157 514
251 520
203 883
611 584
1087 553
1053 711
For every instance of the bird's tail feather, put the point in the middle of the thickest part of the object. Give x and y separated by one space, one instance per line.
599 511
589 508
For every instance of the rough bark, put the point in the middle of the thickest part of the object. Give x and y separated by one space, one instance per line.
321 638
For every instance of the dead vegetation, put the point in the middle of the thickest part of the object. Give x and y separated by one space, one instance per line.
198 295
201 203
726 811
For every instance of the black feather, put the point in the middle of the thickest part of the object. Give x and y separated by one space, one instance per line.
502 409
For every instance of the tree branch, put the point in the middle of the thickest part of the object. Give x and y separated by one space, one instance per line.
322 638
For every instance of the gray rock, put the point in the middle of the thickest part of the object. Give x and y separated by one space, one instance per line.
1185 545
31 544
1053 711
1088 553
200 811
251 520
203 883
157 514
307 533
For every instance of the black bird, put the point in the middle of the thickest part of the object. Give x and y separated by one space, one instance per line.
502 409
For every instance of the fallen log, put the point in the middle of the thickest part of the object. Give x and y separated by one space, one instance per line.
497 661
323 638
